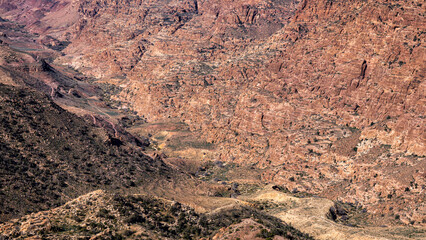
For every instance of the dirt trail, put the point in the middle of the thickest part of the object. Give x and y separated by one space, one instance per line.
306 214
309 215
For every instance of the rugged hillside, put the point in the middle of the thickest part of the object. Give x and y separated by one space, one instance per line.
148 37
104 216
337 92
326 97
49 155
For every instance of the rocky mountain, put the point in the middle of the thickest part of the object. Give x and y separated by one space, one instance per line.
321 98
337 91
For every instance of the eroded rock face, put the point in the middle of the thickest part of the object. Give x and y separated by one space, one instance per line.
132 37
335 98
328 95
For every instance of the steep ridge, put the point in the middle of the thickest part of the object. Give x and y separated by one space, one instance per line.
49 155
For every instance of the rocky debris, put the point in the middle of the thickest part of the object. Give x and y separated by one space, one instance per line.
99 215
